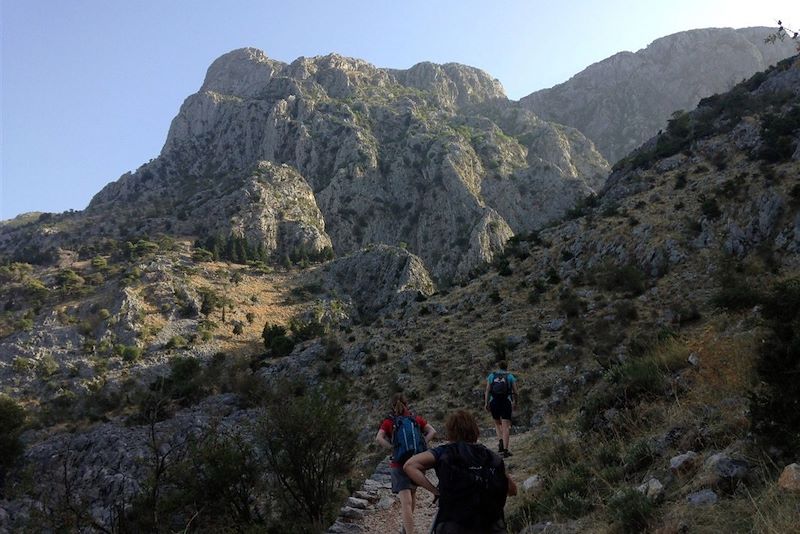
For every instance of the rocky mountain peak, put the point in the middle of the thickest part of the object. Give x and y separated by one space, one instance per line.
624 100
454 84
242 72
434 157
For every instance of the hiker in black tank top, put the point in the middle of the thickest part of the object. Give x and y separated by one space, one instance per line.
473 483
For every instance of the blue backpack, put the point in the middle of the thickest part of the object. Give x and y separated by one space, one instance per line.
407 438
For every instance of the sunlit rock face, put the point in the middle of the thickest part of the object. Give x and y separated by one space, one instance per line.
624 100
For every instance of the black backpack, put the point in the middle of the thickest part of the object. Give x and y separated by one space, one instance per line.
472 486
407 438
500 386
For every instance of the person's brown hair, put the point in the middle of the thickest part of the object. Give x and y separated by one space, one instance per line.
461 425
398 404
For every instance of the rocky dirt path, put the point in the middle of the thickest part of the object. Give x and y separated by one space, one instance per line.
375 509
388 520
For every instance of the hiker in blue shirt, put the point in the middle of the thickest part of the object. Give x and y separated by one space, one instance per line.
500 399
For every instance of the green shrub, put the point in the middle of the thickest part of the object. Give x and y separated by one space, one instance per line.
99 262
131 353
777 132
220 481
310 462
627 278
639 455
184 382
631 510
534 334
276 340
709 207
680 180
637 377
305 330
69 279
625 311
176 342
499 347
608 455
567 496
46 366
503 267
209 301
569 304
552 276
12 419
22 364
775 403
736 298
534 296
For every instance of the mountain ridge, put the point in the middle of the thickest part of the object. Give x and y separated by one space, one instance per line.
623 100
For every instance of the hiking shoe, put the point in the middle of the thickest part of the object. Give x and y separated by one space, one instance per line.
506 453
500 446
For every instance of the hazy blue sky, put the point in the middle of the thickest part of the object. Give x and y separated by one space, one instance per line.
89 87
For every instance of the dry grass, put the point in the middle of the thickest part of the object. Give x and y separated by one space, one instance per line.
726 364
263 296
765 511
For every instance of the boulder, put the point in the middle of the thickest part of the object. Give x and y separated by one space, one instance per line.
653 489
790 478
684 464
704 497
726 468
533 485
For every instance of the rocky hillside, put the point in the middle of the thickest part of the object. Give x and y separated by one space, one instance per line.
329 154
624 100
653 329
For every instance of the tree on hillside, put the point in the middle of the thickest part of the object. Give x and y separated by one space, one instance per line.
310 446
782 34
12 417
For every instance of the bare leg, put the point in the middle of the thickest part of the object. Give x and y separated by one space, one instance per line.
498 428
506 432
407 498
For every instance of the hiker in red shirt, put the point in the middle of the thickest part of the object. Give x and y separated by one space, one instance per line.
405 434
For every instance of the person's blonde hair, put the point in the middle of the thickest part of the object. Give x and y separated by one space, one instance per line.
461 425
398 404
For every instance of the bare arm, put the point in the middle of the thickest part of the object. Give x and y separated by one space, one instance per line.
415 468
486 396
514 393
429 432
380 438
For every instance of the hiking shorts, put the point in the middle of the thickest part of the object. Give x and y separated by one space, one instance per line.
500 408
448 527
400 480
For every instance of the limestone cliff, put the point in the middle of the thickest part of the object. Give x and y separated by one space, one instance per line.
434 157
625 99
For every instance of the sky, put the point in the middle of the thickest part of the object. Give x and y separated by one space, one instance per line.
89 87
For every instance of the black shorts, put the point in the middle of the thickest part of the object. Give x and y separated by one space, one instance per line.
448 527
500 408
